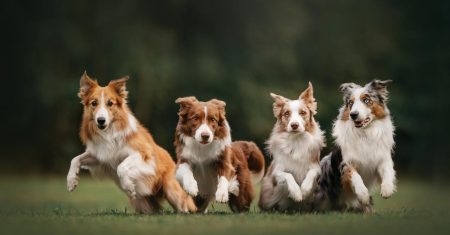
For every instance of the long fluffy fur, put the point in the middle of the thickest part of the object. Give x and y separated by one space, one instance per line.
124 150
362 157
218 168
292 174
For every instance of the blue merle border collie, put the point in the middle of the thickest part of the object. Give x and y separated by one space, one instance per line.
362 159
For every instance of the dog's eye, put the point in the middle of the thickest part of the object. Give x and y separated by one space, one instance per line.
302 112
286 114
212 119
350 102
94 103
110 103
366 101
195 118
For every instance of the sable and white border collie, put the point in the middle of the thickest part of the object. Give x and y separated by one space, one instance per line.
295 145
118 146
209 164
364 137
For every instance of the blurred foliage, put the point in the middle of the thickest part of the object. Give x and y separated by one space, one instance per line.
237 51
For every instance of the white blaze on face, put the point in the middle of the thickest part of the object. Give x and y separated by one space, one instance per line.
204 128
102 112
294 107
358 105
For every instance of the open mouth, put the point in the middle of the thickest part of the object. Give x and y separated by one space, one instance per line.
204 142
101 127
361 123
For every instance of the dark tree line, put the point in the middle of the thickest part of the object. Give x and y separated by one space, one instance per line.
237 51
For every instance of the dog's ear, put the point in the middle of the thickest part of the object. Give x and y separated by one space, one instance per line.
308 97
221 106
86 85
346 89
279 102
119 86
380 87
185 104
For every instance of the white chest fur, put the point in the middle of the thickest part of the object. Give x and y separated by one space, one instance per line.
294 153
365 148
110 146
201 157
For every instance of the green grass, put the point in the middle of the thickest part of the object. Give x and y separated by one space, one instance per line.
38 205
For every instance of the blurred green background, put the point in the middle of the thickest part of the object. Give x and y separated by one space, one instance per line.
237 51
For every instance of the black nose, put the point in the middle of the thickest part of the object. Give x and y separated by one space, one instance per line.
294 126
205 136
354 115
101 121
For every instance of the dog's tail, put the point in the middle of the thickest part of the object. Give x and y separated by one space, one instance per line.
255 159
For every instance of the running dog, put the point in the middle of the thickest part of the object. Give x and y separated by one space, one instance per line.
364 138
295 145
210 166
118 146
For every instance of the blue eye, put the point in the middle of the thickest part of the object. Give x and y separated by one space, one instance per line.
366 101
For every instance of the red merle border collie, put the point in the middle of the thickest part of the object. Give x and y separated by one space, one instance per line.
118 146
295 145
364 138
209 165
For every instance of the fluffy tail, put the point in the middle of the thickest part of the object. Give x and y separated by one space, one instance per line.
255 159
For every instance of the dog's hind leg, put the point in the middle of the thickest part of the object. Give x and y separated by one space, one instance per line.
145 205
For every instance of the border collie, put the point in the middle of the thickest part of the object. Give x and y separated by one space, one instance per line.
210 166
364 138
118 146
295 145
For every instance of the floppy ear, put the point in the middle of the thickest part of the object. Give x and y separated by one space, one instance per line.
86 84
278 104
119 85
185 103
221 105
380 87
308 97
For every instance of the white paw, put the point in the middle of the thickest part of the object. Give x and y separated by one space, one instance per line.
296 194
190 186
129 188
363 196
222 195
306 188
131 193
387 190
72 182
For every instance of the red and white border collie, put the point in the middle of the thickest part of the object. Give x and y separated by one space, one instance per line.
120 147
209 164
295 145
364 136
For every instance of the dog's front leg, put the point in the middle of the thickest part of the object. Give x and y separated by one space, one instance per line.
310 179
387 175
284 178
351 178
225 170
126 170
84 159
186 178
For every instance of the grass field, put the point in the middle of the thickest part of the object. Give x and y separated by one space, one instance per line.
39 205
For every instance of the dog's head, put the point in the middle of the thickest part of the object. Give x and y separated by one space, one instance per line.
103 105
204 121
362 105
295 116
